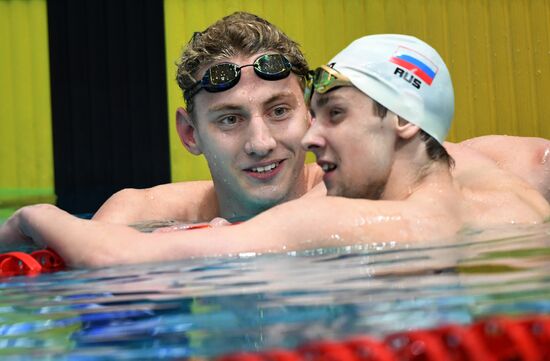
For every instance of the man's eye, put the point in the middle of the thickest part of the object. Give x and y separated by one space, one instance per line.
280 112
336 115
228 120
335 112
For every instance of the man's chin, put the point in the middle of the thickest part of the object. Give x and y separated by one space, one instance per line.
341 192
267 199
333 190
334 193
267 202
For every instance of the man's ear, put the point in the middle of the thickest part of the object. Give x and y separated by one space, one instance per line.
186 131
309 117
405 129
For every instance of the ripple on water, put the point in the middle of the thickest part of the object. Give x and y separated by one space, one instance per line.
203 307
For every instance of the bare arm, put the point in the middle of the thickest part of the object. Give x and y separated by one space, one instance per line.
305 223
84 243
184 201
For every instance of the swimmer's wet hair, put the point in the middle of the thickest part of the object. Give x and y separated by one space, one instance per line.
240 33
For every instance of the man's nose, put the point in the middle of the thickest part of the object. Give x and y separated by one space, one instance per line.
313 139
261 141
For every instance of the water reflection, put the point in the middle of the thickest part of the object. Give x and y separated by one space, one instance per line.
205 307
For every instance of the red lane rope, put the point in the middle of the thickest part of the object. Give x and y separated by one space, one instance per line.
21 263
494 339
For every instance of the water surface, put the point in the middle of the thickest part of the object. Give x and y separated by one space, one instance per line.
207 307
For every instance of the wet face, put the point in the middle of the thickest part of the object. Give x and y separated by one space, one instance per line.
352 144
250 136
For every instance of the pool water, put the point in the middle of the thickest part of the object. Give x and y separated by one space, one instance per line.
208 307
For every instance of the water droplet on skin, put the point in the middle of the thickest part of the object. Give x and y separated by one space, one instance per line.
545 156
382 219
247 254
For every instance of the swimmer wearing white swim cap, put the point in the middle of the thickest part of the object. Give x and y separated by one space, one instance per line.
405 75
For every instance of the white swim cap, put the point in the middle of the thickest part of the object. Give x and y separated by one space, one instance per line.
405 75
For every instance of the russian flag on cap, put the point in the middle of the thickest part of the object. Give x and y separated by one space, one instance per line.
416 63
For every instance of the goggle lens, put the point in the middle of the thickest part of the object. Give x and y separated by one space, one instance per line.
272 66
220 76
326 78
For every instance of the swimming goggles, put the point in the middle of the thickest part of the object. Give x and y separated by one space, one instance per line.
326 78
224 76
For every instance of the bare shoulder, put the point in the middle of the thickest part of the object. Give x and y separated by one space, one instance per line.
503 203
318 191
314 178
526 157
314 175
506 149
184 201
493 195
512 151
487 143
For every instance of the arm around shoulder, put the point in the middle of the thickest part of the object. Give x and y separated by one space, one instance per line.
293 226
302 224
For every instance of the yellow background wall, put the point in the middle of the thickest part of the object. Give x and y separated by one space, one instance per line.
498 52
26 165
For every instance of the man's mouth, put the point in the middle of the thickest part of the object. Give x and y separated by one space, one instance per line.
265 168
266 171
327 166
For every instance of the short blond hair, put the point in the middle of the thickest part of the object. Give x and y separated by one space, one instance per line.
240 33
